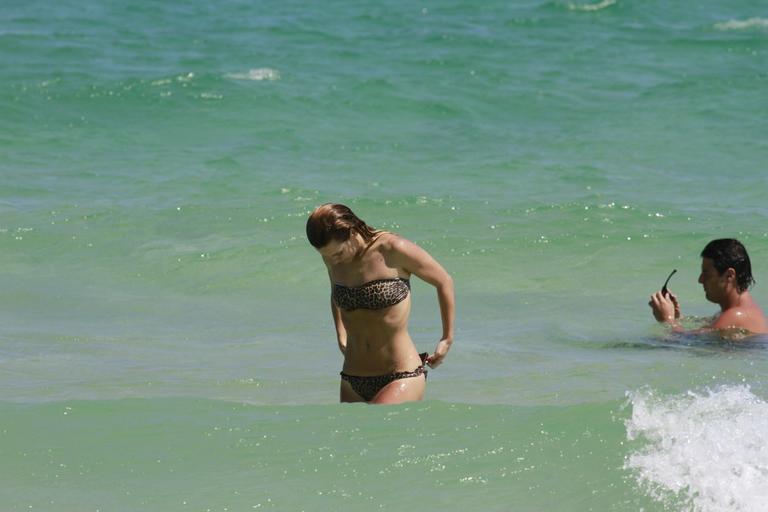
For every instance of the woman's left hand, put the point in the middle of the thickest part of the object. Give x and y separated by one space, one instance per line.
441 351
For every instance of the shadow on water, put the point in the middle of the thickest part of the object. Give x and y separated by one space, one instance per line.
698 343
696 339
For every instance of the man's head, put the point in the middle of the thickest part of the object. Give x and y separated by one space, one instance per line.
725 262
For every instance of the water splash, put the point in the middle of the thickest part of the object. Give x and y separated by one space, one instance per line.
702 451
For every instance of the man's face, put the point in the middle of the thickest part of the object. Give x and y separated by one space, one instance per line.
712 281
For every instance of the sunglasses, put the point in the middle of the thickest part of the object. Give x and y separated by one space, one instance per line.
664 290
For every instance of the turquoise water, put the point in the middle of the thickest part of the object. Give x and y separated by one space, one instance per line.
166 342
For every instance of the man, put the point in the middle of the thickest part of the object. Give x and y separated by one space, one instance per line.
726 275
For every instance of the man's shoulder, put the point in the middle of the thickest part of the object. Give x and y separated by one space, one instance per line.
750 318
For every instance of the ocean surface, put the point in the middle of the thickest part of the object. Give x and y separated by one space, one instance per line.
165 336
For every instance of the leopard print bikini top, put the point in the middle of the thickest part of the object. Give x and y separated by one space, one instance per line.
377 294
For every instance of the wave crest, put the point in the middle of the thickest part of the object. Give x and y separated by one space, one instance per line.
257 74
743 24
591 7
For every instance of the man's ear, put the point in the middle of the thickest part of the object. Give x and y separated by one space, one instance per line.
730 274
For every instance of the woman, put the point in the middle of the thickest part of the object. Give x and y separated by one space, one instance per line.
369 271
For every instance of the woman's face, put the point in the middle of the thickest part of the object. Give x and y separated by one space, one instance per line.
338 253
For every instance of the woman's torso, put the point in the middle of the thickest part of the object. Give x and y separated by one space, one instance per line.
373 296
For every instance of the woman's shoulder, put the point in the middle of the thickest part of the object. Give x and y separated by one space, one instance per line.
387 241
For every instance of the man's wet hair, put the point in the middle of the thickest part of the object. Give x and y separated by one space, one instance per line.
728 253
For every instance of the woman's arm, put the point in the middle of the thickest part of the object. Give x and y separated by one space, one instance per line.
415 260
341 331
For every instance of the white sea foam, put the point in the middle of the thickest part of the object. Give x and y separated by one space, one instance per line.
591 7
702 451
256 74
743 24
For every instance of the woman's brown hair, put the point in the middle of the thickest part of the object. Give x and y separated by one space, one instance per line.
336 222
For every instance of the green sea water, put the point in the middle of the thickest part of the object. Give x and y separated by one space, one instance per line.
165 339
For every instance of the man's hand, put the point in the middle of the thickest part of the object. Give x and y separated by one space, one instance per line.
666 308
674 300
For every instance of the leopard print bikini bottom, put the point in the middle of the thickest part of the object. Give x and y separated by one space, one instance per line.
368 387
